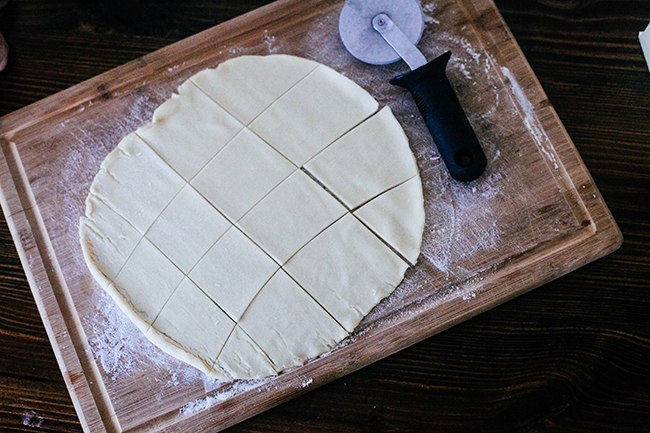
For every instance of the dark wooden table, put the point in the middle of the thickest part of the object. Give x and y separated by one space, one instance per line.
573 355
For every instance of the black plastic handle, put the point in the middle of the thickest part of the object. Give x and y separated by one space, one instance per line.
445 118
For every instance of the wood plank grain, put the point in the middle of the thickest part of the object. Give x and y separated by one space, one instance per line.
444 397
587 230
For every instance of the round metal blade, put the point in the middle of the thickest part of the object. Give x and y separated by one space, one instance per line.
364 42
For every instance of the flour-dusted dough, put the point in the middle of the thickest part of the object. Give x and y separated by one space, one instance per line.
288 325
136 183
313 114
365 162
242 357
234 184
398 217
223 248
187 228
147 280
298 208
187 131
107 238
246 86
233 272
349 283
193 324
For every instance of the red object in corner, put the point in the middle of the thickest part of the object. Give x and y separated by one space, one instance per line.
4 52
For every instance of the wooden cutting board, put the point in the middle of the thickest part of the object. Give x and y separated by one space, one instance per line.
534 215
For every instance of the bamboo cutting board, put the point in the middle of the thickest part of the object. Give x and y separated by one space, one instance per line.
534 215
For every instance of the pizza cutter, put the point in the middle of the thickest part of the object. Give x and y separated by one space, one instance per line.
380 32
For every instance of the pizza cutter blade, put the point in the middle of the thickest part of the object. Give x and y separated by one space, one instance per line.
380 32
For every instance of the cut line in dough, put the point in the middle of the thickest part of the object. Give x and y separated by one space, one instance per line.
223 228
366 161
396 218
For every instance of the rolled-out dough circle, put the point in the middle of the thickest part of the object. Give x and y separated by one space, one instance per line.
264 211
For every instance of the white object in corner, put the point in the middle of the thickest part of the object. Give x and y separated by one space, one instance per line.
644 37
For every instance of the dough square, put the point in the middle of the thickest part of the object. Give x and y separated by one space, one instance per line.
247 85
189 129
233 271
194 323
234 184
187 228
106 235
290 216
136 183
397 216
288 325
299 124
370 159
150 278
241 357
351 281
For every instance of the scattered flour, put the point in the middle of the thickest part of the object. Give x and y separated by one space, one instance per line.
237 387
461 223
124 352
469 296
530 119
270 42
32 419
